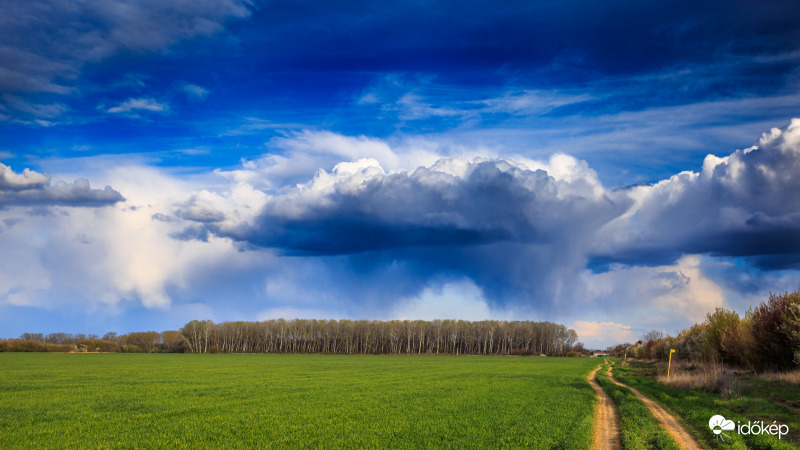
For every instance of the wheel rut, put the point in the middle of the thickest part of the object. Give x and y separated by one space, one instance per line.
606 419
683 438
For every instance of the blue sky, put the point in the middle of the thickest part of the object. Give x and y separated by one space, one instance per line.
531 160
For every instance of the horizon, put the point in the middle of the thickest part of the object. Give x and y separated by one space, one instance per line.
613 168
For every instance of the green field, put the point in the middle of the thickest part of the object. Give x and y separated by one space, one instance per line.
181 400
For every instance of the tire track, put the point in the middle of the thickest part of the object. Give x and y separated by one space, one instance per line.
682 437
606 419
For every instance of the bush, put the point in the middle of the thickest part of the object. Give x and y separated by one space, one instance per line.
773 331
59 348
131 349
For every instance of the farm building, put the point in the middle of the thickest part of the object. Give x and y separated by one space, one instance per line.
599 354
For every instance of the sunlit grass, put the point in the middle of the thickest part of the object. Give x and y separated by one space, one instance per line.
697 406
173 400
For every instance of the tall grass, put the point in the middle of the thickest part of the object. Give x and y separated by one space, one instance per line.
788 377
712 377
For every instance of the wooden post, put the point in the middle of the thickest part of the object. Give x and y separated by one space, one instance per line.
669 365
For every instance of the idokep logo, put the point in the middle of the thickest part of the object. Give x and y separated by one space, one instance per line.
718 424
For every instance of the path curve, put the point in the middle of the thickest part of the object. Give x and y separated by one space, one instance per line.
682 437
606 419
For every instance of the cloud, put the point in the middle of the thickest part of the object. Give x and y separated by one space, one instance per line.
48 43
418 98
461 300
602 334
359 207
743 205
138 104
664 295
194 91
387 237
106 261
37 110
28 179
517 230
525 231
199 209
297 156
34 189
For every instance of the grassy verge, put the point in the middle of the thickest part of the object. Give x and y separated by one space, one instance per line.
696 407
293 401
780 388
638 428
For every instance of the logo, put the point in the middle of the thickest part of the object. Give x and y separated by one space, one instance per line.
718 424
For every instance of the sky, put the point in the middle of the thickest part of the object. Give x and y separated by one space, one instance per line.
614 166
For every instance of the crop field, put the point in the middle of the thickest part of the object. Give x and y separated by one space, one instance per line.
190 400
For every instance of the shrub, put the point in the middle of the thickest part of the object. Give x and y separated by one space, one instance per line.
59 348
717 325
773 330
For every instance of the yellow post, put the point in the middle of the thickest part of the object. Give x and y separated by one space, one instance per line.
669 365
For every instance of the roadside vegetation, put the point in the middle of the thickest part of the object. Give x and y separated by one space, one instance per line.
767 338
638 428
754 401
746 369
293 401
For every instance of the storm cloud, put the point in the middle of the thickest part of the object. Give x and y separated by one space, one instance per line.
359 207
744 204
523 232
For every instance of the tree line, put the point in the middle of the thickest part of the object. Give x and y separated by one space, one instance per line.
137 342
488 337
450 337
766 338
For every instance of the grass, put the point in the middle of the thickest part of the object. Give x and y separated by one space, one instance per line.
298 401
708 377
697 406
787 377
638 428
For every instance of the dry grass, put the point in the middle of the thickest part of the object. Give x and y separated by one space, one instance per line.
788 377
707 377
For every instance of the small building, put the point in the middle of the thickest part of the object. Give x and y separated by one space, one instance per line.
599 354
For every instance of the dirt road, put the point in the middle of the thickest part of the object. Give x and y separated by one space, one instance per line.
606 420
682 437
